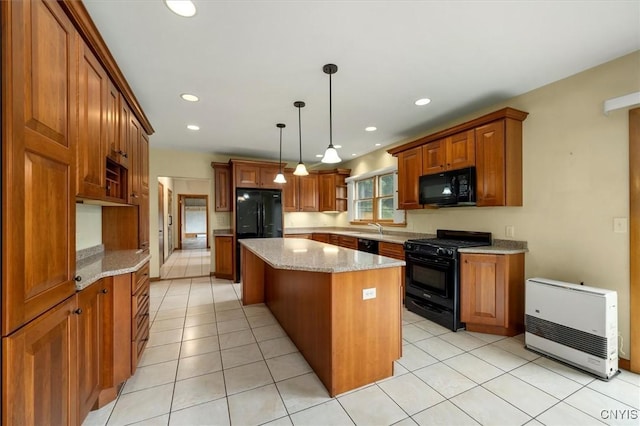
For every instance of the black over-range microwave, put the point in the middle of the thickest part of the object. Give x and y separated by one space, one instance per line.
451 188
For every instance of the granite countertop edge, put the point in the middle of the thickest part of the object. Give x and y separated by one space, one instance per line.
108 264
352 267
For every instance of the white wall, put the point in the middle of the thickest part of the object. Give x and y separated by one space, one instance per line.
88 226
575 182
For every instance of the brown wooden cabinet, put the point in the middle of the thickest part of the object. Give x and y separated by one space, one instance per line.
348 242
395 251
492 142
139 314
222 182
333 190
492 293
451 153
300 193
39 370
38 160
321 237
224 246
92 126
409 172
499 163
116 331
90 310
255 174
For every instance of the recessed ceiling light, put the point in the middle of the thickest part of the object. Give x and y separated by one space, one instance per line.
353 155
337 146
319 155
189 97
378 144
422 101
371 128
184 8
193 127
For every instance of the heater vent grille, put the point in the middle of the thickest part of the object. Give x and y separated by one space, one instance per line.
576 339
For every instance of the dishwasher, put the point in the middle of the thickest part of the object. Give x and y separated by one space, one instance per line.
369 246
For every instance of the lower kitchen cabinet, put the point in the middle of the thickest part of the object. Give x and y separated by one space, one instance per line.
492 293
395 251
224 256
39 370
322 237
139 314
116 346
90 312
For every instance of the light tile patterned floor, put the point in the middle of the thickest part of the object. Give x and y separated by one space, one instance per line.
211 361
186 263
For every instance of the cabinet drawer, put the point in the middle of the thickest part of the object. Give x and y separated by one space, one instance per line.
140 309
323 238
349 242
334 239
392 250
138 345
139 277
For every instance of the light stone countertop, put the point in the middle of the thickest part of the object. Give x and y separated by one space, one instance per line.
107 264
307 255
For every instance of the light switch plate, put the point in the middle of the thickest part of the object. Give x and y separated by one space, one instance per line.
620 225
510 231
368 293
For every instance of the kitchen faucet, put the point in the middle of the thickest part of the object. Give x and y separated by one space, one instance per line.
377 225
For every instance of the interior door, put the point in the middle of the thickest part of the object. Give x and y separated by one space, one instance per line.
170 224
161 222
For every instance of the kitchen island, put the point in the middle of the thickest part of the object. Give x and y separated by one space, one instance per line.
342 308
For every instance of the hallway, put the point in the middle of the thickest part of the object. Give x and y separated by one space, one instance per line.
187 263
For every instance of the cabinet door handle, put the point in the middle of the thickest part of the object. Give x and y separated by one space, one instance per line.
105 290
78 311
124 154
77 278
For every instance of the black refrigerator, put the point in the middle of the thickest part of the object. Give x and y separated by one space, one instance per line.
258 215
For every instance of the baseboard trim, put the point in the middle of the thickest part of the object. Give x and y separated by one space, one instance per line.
625 364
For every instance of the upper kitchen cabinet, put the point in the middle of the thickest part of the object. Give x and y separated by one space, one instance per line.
92 125
222 182
300 193
493 143
39 115
333 190
409 172
452 153
499 163
117 131
254 174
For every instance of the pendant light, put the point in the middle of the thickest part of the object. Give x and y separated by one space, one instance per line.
330 155
280 177
301 170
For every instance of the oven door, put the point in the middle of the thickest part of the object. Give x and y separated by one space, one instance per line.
431 278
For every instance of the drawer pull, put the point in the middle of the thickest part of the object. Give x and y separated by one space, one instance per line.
105 290
77 278
78 311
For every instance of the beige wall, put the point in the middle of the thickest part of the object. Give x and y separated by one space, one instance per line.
576 181
88 226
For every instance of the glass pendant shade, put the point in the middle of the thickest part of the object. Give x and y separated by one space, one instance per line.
330 155
301 170
280 177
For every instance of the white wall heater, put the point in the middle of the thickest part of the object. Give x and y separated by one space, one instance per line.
575 324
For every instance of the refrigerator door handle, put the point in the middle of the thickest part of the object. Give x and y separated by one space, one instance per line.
259 222
263 220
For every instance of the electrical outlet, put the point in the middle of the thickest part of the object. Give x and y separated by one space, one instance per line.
620 225
510 231
368 293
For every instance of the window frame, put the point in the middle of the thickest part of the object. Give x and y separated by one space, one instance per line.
375 199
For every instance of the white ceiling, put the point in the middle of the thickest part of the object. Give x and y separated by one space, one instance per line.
248 61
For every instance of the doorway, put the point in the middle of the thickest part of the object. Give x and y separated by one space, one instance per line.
193 221
634 238
170 224
161 258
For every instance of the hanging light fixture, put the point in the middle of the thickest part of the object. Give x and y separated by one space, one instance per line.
280 177
330 155
301 170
